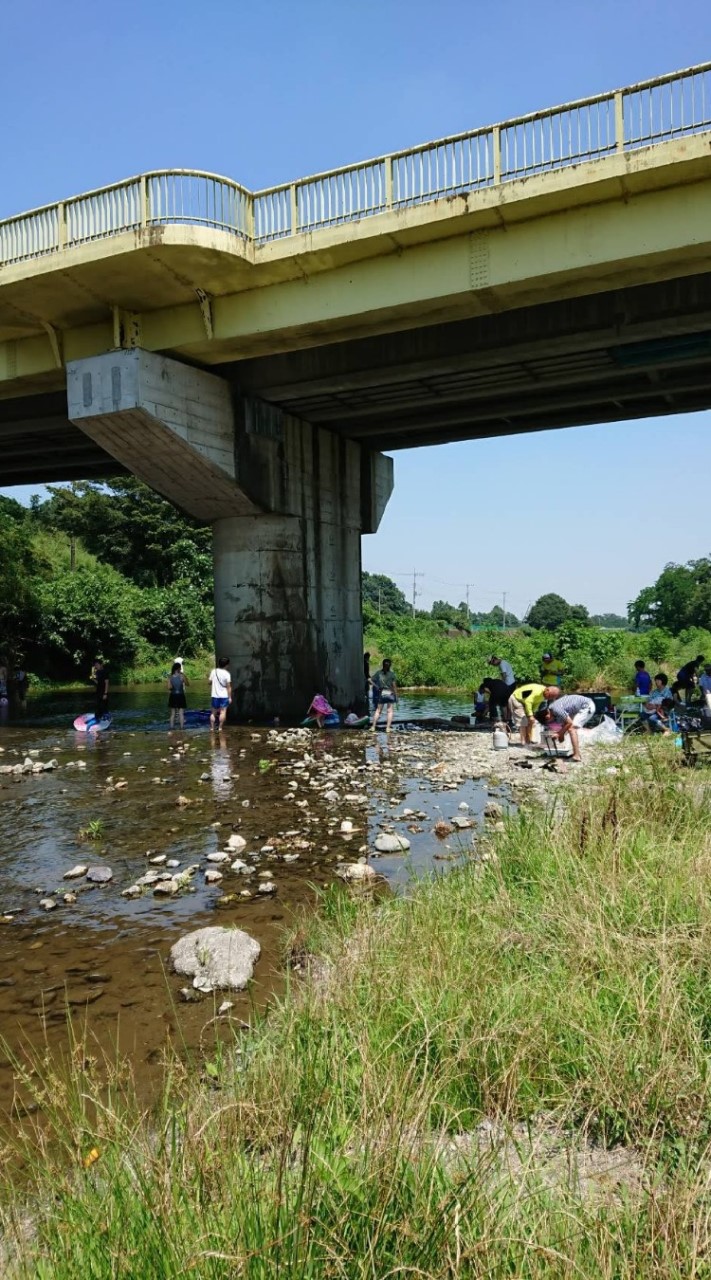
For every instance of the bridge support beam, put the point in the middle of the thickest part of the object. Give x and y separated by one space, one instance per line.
287 502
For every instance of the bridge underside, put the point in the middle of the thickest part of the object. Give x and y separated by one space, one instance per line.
632 352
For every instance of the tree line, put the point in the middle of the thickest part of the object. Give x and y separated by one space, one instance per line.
382 596
114 568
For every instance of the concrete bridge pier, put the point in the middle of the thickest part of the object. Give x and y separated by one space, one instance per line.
288 503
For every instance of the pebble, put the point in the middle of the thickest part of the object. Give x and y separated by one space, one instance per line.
236 843
218 857
75 872
47 904
267 887
213 877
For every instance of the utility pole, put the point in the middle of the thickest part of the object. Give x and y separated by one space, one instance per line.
380 599
503 620
415 592
469 616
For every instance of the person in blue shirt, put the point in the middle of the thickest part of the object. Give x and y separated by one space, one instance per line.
655 711
642 680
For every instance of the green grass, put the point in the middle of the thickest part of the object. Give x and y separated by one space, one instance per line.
568 977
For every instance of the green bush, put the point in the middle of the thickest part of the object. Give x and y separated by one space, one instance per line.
89 612
174 618
424 654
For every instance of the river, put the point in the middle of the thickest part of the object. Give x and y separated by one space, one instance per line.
102 959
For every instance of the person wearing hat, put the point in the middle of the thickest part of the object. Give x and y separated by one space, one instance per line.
505 673
551 671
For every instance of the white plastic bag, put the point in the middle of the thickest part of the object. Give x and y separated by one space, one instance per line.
605 731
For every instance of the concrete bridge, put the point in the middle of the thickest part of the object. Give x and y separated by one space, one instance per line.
250 355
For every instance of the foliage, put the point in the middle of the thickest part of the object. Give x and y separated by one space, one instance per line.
19 611
424 655
87 613
459 616
612 621
383 595
679 599
174 619
62 605
548 613
130 527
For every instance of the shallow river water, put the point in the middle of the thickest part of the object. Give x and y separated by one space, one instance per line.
102 960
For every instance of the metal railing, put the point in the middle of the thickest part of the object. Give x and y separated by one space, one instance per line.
643 115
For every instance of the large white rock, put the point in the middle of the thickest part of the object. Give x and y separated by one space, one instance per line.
356 871
388 842
236 843
216 958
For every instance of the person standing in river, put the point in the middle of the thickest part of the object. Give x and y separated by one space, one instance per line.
220 692
177 684
100 676
385 682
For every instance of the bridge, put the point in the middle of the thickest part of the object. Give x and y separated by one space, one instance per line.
250 355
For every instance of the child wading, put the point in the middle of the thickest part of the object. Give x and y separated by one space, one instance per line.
177 684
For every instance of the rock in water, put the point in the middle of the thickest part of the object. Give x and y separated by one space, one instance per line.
391 843
236 843
216 958
75 872
493 810
99 875
355 871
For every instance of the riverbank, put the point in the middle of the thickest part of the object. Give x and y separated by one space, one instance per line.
502 1071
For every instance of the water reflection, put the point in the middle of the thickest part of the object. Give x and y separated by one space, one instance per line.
176 797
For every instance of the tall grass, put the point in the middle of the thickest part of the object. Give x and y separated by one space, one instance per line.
564 981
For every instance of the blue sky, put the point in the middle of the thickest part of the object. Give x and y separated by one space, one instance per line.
269 91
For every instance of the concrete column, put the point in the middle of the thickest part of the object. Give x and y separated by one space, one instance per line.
288 611
287 584
288 503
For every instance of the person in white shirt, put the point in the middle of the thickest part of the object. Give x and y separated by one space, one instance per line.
220 692
506 670
705 684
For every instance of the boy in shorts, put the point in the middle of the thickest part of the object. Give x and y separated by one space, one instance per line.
220 692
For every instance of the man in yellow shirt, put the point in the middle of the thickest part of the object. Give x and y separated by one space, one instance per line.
551 671
525 702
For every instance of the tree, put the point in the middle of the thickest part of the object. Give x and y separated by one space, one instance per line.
580 614
19 613
128 526
610 621
383 595
87 613
679 599
549 612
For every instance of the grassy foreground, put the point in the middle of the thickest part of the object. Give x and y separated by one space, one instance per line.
568 978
